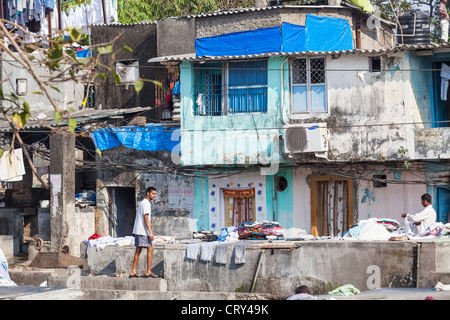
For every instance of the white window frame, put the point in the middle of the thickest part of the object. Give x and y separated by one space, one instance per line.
308 86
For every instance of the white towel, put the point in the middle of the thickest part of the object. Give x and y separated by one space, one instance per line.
192 251
239 253
221 252
207 250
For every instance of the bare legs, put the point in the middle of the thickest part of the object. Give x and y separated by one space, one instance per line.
137 253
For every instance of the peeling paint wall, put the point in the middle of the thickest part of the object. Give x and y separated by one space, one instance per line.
173 207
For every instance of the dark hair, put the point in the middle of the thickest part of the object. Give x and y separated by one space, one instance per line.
302 289
150 189
426 197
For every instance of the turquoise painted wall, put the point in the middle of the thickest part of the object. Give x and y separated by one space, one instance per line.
230 139
285 201
280 204
422 84
201 209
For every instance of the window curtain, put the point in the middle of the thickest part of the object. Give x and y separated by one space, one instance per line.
334 207
243 202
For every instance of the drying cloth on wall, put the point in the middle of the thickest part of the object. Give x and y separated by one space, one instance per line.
192 251
240 43
11 166
207 250
221 252
239 252
327 34
445 75
152 137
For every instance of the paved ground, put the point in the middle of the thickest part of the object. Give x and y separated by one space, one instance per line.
47 293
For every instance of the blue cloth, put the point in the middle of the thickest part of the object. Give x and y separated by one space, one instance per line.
152 137
328 34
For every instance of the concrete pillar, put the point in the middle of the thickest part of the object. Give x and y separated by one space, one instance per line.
62 192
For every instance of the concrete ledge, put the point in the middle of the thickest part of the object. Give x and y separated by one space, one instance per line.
108 283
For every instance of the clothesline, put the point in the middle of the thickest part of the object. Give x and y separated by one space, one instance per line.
33 14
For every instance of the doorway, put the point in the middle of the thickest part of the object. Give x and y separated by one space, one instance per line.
239 206
442 204
331 205
122 211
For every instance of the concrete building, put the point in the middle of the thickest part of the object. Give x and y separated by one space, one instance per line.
368 132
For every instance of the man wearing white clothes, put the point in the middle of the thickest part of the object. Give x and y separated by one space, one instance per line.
423 219
444 19
143 235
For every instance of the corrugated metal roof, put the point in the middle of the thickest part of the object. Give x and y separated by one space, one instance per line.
191 57
43 118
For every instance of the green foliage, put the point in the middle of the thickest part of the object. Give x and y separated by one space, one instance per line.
135 11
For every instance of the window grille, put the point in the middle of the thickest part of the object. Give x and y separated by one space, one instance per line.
230 88
308 85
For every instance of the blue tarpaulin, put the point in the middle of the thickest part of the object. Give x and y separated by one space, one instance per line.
293 38
152 137
327 34
319 34
240 43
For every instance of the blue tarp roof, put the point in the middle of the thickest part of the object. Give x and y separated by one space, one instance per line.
151 137
318 34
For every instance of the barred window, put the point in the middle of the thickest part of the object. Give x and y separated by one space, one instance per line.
308 85
230 88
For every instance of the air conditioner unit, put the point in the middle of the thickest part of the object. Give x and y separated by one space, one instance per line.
309 137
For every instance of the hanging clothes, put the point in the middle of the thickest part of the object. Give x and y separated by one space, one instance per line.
445 76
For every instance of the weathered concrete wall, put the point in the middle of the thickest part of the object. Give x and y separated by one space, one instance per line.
322 265
113 260
69 95
141 38
173 207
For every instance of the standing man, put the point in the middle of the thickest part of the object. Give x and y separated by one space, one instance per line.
423 219
444 18
143 235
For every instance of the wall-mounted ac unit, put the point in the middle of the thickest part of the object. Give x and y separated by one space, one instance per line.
301 138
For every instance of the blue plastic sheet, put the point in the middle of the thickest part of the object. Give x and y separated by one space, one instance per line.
240 43
319 34
153 137
293 38
327 34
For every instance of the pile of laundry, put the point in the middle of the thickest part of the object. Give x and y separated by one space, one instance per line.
257 230
373 229
205 235
5 280
390 229
100 242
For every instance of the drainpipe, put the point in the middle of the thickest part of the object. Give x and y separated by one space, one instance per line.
416 265
282 90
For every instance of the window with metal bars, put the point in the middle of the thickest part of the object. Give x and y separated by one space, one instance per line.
308 85
230 88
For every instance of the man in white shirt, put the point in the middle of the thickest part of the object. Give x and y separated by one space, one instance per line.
143 235
423 219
